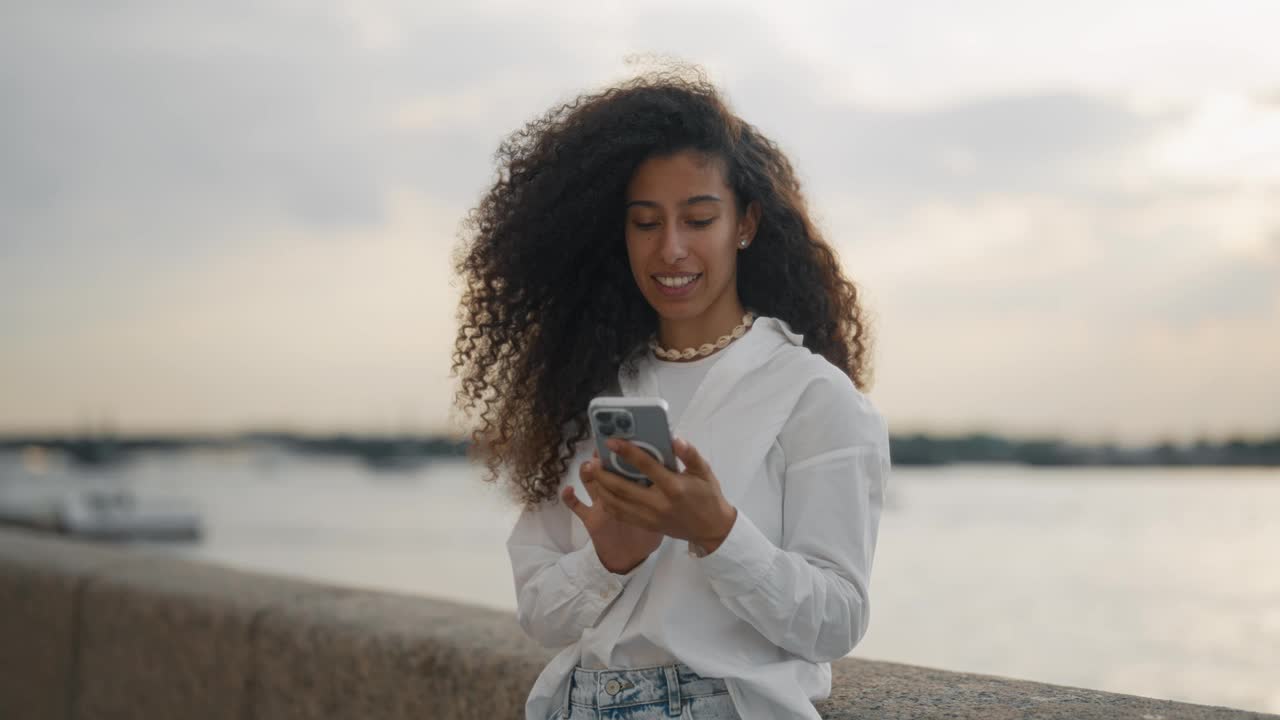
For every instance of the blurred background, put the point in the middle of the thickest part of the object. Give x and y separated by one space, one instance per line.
228 303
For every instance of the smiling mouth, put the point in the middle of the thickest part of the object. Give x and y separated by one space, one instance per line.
675 282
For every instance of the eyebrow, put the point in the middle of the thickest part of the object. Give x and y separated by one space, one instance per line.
691 201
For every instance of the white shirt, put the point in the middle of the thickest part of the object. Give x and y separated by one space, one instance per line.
804 457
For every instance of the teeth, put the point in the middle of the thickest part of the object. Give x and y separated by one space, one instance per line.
675 282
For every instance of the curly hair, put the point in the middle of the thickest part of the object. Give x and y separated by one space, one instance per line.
550 311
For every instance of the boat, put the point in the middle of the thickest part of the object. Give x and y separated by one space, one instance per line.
102 514
118 515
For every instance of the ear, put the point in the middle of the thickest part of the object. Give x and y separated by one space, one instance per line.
749 223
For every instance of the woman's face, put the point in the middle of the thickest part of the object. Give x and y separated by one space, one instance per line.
683 232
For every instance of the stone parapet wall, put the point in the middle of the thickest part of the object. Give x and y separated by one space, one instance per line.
98 632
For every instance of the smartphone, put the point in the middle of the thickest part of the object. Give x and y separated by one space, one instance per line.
640 420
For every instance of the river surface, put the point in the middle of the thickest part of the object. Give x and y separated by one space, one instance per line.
1157 582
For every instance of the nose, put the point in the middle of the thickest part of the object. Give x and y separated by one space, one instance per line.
674 247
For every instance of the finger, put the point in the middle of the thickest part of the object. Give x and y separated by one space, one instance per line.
625 489
694 464
622 510
575 505
642 461
591 472
634 517
601 494
593 490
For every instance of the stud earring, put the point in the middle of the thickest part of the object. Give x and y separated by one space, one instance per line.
742 244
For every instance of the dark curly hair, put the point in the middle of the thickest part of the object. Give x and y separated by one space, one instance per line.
550 310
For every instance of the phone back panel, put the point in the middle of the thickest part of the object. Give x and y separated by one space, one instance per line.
648 429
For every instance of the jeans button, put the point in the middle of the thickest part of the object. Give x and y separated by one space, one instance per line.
612 687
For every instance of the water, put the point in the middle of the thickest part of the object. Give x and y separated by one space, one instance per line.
1152 582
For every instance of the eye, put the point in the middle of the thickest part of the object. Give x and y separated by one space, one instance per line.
645 225
701 223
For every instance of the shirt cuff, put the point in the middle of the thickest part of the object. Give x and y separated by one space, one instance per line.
588 573
742 561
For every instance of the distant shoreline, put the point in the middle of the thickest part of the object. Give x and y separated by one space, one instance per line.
399 451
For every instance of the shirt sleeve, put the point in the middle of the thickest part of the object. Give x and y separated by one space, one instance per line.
560 589
810 596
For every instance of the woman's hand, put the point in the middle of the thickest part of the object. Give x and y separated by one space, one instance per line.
686 505
621 547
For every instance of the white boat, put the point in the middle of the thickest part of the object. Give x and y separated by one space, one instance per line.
119 515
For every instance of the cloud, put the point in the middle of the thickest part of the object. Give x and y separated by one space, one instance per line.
346 329
258 199
1034 143
931 52
213 111
1149 315
1227 138
1150 260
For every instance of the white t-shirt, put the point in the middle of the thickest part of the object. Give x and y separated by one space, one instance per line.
676 383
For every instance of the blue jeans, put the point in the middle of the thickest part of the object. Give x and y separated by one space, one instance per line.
655 693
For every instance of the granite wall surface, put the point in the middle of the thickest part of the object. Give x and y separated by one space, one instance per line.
89 631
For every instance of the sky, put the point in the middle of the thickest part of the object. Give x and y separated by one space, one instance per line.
1065 217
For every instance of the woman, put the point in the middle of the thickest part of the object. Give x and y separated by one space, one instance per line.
639 220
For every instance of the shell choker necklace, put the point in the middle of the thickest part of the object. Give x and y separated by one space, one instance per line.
705 348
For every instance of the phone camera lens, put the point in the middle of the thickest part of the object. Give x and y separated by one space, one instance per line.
607 429
623 422
603 416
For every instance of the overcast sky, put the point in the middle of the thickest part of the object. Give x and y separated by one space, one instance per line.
1065 216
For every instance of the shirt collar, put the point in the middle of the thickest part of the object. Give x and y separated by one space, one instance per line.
767 334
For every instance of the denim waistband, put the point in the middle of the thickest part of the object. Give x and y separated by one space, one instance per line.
673 684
